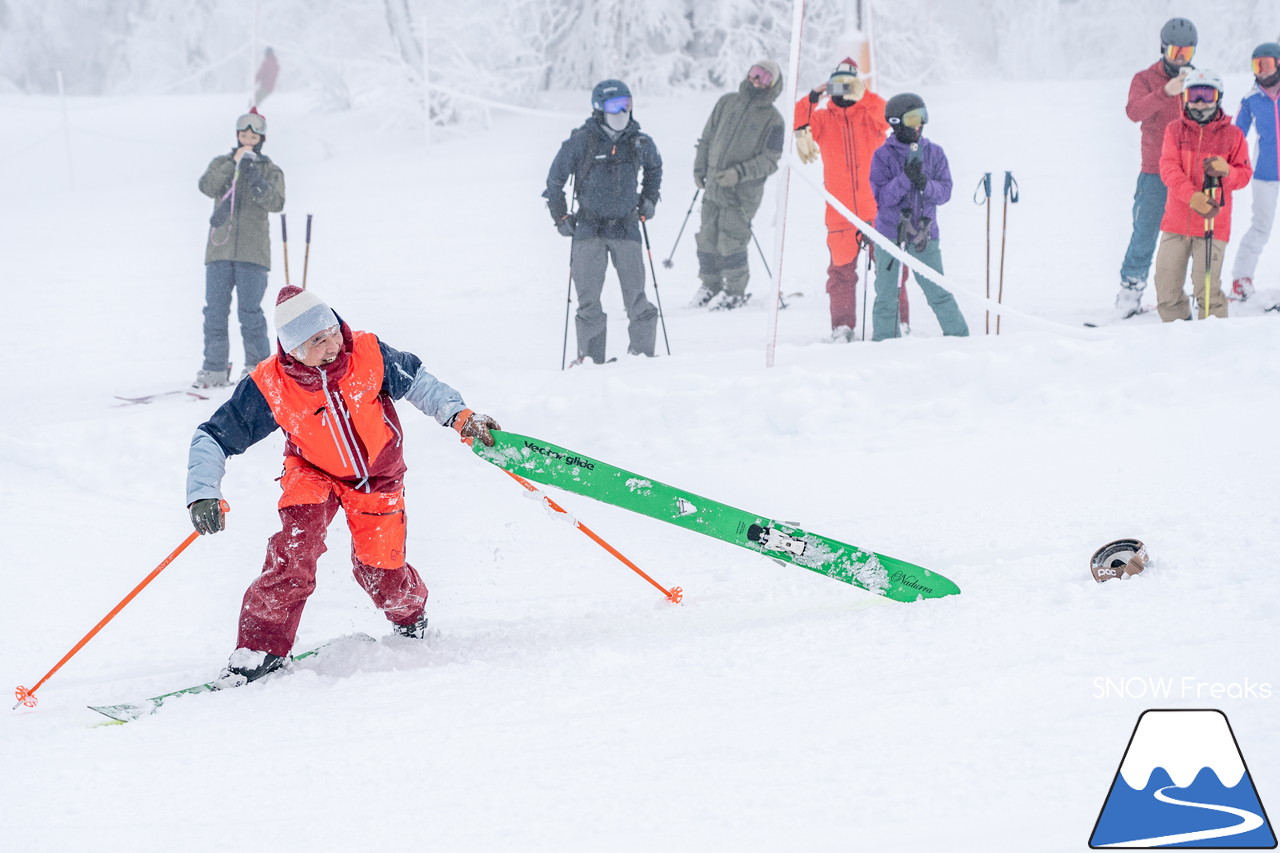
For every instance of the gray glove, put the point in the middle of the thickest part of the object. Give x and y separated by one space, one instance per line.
729 177
647 208
566 225
207 516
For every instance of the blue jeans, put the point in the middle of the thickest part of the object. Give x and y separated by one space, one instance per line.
220 278
1148 210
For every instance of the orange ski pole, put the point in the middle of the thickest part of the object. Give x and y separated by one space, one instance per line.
674 595
28 696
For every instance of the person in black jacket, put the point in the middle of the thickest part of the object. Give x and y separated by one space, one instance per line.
605 158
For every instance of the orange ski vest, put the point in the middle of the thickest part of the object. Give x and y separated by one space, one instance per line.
323 425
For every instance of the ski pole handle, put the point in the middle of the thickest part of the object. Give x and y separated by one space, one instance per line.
309 226
306 255
284 246
284 229
982 192
1010 187
26 696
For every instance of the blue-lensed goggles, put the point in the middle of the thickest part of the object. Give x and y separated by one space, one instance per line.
620 104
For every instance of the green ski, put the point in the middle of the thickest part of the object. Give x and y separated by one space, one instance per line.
130 711
575 472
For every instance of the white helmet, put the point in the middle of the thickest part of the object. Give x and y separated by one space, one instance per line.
1204 77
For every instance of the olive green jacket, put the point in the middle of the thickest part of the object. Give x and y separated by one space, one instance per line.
746 132
259 191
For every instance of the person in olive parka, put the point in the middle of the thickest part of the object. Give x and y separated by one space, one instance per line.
740 147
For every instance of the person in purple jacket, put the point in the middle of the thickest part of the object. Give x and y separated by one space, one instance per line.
1155 99
910 178
1260 109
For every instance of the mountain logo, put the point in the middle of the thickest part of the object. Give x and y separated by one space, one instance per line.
1183 783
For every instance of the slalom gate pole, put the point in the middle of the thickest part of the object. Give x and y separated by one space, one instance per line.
984 186
284 246
657 296
674 595
1010 195
306 256
27 696
668 263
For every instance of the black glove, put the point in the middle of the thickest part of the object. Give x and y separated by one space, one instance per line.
566 225
915 171
206 516
647 207
478 426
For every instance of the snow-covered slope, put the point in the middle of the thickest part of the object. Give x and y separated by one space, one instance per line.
560 703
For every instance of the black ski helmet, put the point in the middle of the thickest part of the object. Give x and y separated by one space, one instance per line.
605 90
1178 31
899 105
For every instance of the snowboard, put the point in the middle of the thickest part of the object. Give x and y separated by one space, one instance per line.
130 711
546 463
151 398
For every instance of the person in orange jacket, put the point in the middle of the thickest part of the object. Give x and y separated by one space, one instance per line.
330 389
847 132
1203 160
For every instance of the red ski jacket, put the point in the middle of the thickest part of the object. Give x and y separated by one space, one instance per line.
1153 109
1186 145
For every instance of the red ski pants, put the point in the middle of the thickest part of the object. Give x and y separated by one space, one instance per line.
273 603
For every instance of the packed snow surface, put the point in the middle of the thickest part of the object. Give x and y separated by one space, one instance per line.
559 702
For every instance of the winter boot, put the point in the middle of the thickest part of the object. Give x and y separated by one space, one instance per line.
414 631
247 665
702 297
1241 290
730 301
841 334
212 378
1129 299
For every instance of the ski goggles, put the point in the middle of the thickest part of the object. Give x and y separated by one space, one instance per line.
761 77
912 118
1264 66
249 121
621 104
1206 95
1180 53
841 84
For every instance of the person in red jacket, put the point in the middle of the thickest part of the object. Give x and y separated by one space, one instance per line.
330 389
1154 103
847 133
1204 159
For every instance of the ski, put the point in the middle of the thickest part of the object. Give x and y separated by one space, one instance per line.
129 711
151 398
784 542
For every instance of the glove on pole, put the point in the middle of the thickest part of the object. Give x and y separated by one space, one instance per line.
657 296
1010 195
1211 182
674 595
26 696
668 262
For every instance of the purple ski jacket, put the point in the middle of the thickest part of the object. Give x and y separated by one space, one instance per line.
893 190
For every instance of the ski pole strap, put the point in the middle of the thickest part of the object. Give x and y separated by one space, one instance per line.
1121 558
982 192
1010 187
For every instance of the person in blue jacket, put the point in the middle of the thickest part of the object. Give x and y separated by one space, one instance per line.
605 158
1260 109
910 178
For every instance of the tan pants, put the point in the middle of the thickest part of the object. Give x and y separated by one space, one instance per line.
1171 277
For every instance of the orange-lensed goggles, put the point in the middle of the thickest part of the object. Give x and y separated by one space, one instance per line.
1264 66
1179 52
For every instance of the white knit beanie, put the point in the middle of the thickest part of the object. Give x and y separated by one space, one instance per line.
299 315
